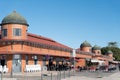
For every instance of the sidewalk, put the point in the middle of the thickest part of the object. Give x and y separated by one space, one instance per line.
32 73
115 76
77 76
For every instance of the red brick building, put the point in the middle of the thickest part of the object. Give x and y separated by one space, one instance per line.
88 53
19 48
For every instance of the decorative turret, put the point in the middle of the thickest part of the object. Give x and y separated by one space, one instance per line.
110 53
97 50
85 46
14 26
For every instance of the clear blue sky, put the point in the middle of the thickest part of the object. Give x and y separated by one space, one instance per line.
69 22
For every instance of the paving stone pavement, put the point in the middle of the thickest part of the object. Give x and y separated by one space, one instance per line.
85 75
9 79
114 76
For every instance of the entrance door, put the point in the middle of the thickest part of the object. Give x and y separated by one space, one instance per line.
16 63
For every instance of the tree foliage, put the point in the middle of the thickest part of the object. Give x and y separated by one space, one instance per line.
113 46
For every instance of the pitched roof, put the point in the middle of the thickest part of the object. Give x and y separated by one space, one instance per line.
42 40
45 40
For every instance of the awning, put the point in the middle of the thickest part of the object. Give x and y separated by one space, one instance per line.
95 60
99 61
114 62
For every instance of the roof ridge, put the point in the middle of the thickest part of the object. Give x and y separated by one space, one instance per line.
40 37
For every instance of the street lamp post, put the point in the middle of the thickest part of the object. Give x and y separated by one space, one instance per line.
73 56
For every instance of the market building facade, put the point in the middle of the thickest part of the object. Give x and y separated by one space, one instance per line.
87 54
19 48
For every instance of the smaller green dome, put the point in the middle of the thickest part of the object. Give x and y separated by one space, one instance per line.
96 47
14 18
85 44
109 52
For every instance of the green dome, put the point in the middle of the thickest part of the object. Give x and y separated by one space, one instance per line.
96 48
109 52
14 18
85 44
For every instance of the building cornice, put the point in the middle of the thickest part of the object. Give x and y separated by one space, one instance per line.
35 44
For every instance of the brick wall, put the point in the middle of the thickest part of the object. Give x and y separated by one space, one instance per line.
10 27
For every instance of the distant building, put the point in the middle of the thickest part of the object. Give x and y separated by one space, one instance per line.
88 53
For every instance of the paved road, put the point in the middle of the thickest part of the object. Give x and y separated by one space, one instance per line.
64 75
95 76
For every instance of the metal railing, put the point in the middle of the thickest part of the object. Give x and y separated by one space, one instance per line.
58 75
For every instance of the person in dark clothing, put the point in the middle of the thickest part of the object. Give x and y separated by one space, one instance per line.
119 66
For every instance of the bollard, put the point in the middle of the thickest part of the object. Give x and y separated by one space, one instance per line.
41 77
57 75
60 75
51 75
64 73
99 74
11 73
69 73
26 76
1 74
74 72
